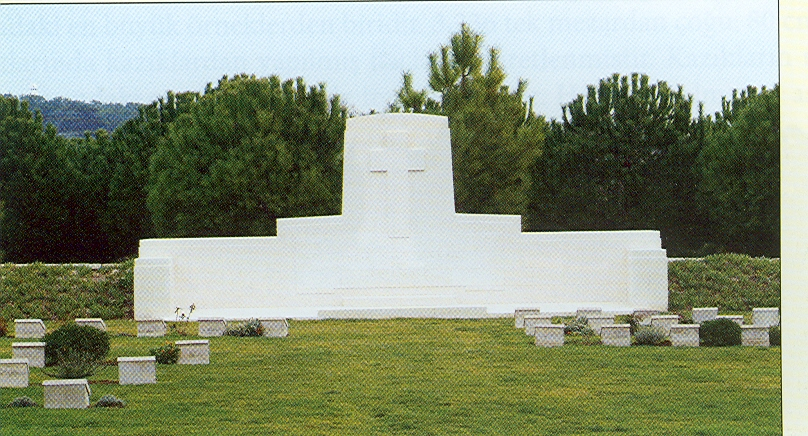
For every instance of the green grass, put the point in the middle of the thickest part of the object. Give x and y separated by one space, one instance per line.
423 377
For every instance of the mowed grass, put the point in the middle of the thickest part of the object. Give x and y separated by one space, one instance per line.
415 376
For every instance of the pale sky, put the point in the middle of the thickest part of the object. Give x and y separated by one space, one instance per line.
136 52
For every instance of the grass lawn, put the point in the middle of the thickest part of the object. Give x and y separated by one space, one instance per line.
421 377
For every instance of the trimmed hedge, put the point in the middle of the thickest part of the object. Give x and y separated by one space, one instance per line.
719 333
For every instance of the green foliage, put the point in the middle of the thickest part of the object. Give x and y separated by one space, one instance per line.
627 319
251 327
75 350
72 118
66 292
495 134
774 335
740 173
719 333
110 401
3 327
249 151
579 327
647 335
734 282
167 354
22 402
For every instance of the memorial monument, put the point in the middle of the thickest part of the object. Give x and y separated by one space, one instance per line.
399 249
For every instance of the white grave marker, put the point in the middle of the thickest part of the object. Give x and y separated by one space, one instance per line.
92 322
137 370
151 328
212 327
194 352
275 328
33 351
520 313
66 394
766 316
13 373
549 335
684 335
29 329
617 335
754 336
701 314
531 321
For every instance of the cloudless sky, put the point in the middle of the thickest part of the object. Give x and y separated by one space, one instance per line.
137 52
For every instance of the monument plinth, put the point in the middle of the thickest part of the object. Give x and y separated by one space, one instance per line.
399 249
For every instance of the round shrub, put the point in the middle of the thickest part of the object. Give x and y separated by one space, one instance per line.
76 350
580 327
252 327
22 402
168 354
110 401
774 335
647 335
719 333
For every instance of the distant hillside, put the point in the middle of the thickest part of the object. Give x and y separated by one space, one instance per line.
72 118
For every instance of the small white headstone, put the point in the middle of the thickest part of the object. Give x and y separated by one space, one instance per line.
212 327
685 335
586 312
738 319
766 316
29 329
643 316
151 328
754 336
617 335
13 373
194 352
665 322
701 314
549 335
520 313
137 370
33 351
67 394
92 322
531 321
276 328
597 321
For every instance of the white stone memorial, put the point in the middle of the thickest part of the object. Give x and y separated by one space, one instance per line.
14 373
549 335
275 328
151 328
616 335
520 313
595 322
643 316
209 327
754 336
92 322
701 314
194 352
137 370
766 316
67 394
399 249
738 319
664 322
684 335
29 329
531 321
33 351
587 312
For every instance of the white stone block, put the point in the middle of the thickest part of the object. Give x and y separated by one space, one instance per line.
212 327
587 312
520 313
92 322
137 370
151 328
664 322
397 245
33 351
66 394
595 322
684 335
13 373
29 329
754 336
766 316
643 316
617 335
701 314
275 328
531 321
195 352
738 319
549 335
